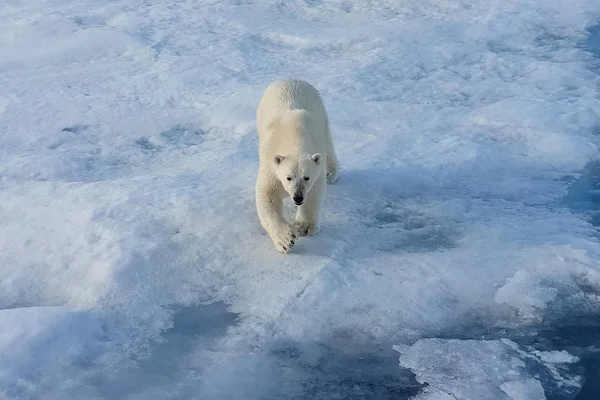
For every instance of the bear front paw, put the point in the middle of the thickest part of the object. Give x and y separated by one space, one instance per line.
306 228
284 239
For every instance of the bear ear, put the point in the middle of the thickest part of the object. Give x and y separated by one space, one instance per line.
278 159
316 158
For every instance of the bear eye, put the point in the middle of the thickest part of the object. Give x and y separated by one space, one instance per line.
289 178
306 178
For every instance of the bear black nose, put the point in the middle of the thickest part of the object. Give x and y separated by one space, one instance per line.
298 199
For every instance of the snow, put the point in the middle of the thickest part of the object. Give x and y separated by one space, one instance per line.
36 338
132 263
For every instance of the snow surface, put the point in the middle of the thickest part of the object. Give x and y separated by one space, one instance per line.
132 263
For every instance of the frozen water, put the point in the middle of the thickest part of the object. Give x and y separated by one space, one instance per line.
132 264
483 369
524 389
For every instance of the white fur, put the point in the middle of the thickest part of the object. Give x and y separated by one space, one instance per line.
295 144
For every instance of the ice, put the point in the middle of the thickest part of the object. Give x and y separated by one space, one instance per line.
132 263
523 390
433 394
479 369
556 357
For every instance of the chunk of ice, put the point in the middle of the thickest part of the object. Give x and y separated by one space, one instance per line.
482 369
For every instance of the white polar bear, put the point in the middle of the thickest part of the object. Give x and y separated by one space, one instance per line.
296 157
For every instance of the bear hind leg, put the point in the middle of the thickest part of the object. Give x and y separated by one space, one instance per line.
332 166
332 161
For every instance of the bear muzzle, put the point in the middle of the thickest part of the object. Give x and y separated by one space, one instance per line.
298 199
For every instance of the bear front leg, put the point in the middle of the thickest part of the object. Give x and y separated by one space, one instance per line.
307 217
269 206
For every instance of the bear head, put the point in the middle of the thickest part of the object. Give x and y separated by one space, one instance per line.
298 174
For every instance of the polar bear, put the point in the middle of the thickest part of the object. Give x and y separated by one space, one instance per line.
296 159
